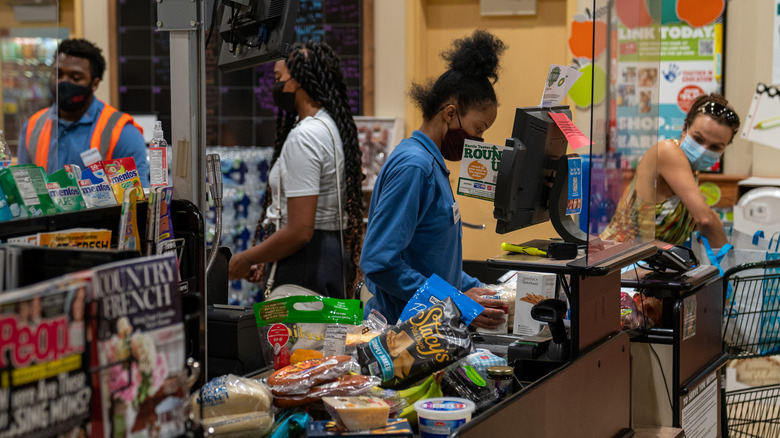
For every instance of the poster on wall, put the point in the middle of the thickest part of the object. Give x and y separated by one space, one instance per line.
661 69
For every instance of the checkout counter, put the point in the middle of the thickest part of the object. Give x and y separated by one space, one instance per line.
591 394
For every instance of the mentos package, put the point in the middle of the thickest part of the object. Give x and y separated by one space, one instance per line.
436 290
95 188
122 174
63 188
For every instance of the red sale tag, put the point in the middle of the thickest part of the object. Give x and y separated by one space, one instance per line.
574 136
278 334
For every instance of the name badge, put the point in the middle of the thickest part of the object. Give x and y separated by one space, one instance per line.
455 212
90 156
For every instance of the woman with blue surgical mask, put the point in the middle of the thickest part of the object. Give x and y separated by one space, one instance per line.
665 180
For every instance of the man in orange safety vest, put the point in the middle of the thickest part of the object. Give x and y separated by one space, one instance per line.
78 127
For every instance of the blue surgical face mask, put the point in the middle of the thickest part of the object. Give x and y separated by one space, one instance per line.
700 157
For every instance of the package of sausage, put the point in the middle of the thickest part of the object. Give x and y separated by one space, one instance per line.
427 342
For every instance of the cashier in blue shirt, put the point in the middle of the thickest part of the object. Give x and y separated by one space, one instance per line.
414 227
78 121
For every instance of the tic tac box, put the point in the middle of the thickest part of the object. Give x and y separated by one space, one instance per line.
532 287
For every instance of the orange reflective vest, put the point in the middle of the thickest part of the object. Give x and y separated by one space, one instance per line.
105 135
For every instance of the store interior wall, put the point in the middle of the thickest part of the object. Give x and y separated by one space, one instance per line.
750 32
389 58
534 42
95 13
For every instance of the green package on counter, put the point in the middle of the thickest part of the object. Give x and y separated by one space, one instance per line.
317 326
307 309
25 188
64 189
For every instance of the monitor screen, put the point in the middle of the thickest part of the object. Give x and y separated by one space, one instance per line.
255 32
528 169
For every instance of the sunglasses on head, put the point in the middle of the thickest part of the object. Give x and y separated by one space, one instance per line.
716 111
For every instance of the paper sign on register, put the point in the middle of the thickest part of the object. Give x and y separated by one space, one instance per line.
574 136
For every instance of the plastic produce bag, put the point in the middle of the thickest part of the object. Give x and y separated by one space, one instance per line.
318 324
233 406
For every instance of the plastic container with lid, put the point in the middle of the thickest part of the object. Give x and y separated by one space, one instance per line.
437 417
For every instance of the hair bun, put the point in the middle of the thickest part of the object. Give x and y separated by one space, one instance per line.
476 55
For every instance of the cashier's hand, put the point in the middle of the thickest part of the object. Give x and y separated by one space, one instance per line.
239 267
493 315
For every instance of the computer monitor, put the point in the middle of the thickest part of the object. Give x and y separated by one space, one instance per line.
255 32
532 183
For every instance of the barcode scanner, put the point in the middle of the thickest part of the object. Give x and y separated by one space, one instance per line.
552 311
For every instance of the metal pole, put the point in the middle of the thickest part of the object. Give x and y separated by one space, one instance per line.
185 22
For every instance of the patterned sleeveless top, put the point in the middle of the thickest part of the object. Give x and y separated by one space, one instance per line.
669 221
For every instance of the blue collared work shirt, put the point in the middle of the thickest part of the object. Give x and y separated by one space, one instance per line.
71 139
412 232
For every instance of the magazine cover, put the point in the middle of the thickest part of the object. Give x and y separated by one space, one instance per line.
78 237
140 348
44 384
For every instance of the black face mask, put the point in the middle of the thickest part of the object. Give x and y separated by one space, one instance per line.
452 146
283 99
72 97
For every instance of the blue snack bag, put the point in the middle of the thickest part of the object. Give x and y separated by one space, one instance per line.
436 290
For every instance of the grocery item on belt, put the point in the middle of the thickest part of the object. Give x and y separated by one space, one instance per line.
249 425
426 342
318 324
395 428
357 413
463 380
302 376
436 290
348 385
482 359
440 416
229 395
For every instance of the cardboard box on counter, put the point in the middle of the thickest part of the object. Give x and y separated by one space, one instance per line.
532 287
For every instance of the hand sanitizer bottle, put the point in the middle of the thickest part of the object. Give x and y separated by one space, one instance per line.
159 153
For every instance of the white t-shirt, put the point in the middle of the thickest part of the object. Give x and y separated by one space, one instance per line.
308 167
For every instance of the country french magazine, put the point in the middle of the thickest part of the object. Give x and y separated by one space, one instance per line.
140 351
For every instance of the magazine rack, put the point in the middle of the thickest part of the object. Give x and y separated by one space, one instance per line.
189 230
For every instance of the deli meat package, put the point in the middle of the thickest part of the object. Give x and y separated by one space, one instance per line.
427 342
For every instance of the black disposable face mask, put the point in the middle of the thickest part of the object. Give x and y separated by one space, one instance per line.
454 141
72 97
283 99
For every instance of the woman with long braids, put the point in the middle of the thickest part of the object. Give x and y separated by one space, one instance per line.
414 227
312 96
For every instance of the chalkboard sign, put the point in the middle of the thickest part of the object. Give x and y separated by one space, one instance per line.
240 110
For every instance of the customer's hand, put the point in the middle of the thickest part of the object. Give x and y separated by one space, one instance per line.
493 315
239 267
256 273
